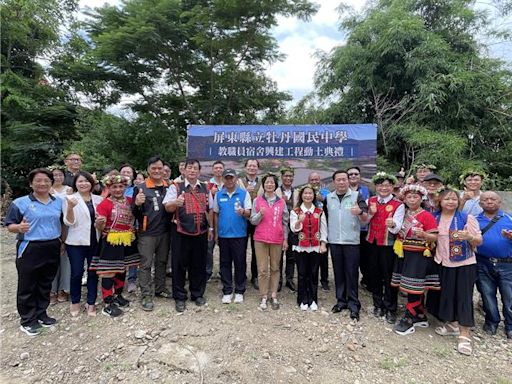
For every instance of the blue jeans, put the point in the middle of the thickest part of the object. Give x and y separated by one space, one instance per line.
77 255
490 278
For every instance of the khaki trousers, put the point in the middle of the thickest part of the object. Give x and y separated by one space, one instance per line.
268 254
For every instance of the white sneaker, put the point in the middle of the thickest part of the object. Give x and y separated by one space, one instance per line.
226 299
239 298
263 304
303 307
313 306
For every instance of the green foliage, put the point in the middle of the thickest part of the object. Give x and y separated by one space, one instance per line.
415 68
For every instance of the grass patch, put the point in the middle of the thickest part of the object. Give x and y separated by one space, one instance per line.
391 364
441 351
503 380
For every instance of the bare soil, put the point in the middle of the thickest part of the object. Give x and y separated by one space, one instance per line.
234 343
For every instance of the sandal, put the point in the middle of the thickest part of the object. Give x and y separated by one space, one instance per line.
464 346
74 309
448 330
91 310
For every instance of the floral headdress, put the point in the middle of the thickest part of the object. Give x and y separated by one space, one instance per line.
315 189
447 187
115 179
55 167
380 177
283 170
413 188
424 165
472 172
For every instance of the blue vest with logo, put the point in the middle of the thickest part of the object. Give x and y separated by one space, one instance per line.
231 224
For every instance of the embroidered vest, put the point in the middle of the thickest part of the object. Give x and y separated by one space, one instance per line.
460 250
378 231
191 217
309 236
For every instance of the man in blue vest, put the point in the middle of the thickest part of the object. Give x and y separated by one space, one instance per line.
494 262
232 206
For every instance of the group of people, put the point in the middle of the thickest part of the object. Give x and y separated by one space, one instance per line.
415 235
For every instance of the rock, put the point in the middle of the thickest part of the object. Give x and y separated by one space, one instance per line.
24 355
139 334
120 376
351 347
266 355
154 374
182 358
290 370
78 369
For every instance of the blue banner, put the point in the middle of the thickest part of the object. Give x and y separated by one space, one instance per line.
230 142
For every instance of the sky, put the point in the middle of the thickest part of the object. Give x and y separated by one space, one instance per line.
300 41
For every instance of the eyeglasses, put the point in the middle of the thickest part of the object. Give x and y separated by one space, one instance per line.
353 174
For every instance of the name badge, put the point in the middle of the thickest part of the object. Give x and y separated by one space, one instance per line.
223 199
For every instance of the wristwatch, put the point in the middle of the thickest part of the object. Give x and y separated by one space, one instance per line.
210 229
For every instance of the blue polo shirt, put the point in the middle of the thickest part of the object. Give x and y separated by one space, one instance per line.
494 244
44 219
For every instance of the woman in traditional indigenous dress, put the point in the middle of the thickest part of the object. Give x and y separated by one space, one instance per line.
310 224
413 247
459 234
115 222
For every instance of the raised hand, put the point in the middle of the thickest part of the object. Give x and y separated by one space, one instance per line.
389 222
72 201
355 210
140 198
180 200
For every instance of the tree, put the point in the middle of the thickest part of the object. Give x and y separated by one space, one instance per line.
180 62
37 118
416 69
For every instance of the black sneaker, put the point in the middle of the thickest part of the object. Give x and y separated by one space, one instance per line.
47 321
200 301
405 326
420 321
325 287
112 310
31 330
378 312
391 317
180 306
490 329
121 301
354 315
291 286
255 284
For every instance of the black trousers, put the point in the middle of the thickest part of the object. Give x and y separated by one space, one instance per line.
233 252
324 268
382 260
345 263
190 256
37 268
254 265
307 277
289 269
364 257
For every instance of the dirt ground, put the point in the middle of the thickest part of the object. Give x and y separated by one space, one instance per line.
235 344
